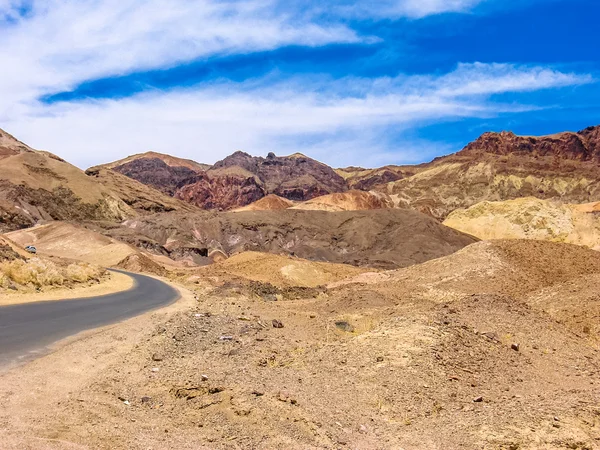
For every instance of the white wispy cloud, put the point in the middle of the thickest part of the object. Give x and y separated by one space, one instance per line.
209 122
58 44
61 43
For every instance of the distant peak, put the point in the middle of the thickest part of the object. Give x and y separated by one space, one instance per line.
241 153
297 155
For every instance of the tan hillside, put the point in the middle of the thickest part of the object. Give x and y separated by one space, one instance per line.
37 185
366 179
271 202
348 201
281 271
530 218
72 242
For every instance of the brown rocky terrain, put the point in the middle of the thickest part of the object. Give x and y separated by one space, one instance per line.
160 171
492 347
495 167
504 166
39 186
383 238
225 191
241 179
295 177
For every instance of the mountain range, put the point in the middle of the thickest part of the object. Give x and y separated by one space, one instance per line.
38 185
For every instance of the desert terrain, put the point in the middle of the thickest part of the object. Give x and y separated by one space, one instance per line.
449 305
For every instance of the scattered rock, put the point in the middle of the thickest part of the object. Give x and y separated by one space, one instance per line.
515 347
362 429
277 323
157 357
285 397
204 377
226 338
146 399
478 400
155 369
344 326
380 359
491 336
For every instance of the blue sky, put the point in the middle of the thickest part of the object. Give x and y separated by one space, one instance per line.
348 83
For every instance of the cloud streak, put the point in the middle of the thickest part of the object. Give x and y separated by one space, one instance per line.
53 46
208 122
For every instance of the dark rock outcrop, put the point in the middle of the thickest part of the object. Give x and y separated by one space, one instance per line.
156 173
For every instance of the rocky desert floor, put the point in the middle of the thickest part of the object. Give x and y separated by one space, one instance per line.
492 347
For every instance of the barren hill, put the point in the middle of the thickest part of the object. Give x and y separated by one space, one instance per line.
141 197
492 347
271 202
530 218
37 185
503 166
366 179
384 238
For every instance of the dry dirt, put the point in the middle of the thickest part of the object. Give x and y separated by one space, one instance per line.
493 347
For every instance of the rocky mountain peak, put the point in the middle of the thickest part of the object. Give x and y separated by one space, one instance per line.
581 146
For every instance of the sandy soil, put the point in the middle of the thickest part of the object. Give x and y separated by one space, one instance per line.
493 347
32 395
114 282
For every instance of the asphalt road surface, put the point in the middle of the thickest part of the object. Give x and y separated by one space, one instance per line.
27 330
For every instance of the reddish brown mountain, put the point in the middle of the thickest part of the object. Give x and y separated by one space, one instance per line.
295 177
236 181
225 191
504 166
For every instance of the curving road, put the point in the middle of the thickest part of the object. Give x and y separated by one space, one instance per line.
26 330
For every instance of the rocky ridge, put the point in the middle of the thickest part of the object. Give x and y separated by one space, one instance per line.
504 166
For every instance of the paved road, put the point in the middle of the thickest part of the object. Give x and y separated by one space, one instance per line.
26 330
